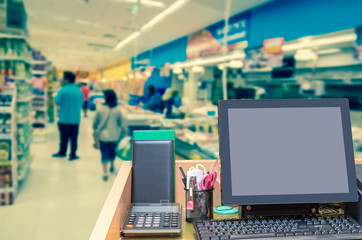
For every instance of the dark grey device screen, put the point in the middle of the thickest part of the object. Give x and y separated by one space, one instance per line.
283 151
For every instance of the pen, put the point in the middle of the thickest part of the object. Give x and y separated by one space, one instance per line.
183 174
182 171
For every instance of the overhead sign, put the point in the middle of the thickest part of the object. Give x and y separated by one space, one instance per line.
273 45
210 40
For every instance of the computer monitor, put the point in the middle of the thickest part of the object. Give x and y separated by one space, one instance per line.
286 152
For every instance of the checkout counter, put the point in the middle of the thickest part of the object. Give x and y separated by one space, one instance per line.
115 208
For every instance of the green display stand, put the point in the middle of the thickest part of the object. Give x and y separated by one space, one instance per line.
154 135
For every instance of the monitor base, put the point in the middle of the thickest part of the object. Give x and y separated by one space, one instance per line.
252 211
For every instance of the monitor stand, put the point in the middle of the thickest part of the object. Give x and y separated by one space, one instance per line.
252 211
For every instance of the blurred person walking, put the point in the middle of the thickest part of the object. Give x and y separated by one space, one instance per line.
70 101
85 90
107 127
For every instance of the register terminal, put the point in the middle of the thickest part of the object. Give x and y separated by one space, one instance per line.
281 160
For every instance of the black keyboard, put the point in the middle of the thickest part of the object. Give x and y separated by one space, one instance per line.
337 227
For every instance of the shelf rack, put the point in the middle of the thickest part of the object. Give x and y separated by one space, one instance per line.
16 59
8 157
39 126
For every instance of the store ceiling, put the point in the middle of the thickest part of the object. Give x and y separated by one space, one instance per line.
81 34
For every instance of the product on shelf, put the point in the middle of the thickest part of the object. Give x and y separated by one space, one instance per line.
5 177
14 48
5 150
5 100
5 124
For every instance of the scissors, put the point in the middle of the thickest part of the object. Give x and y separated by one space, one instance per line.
198 166
208 180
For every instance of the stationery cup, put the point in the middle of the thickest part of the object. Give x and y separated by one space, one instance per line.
202 203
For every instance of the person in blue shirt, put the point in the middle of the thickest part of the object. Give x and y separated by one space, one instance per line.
154 102
175 100
70 101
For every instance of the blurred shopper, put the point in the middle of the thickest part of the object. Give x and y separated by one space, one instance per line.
154 102
85 90
173 101
107 125
70 101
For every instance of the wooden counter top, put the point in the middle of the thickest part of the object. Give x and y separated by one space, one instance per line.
117 203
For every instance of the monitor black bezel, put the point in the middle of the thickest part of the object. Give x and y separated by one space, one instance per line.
226 195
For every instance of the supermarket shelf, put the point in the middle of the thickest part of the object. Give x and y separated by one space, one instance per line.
23 120
39 62
39 109
25 100
9 58
5 163
22 174
6 136
4 35
27 147
7 190
37 72
38 96
8 109
21 78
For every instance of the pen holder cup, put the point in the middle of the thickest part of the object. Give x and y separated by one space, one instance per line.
199 206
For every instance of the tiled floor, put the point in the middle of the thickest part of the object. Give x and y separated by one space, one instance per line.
58 199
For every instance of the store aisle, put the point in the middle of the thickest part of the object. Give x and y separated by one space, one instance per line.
59 199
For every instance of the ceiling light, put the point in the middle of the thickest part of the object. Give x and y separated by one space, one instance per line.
177 70
198 69
130 76
163 14
138 75
148 73
236 64
320 42
127 40
221 66
306 85
104 80
211 61
150 3
305 55
181 77
329 51
152 22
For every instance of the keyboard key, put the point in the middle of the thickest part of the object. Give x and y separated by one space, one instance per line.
344 231
246 236
207 235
